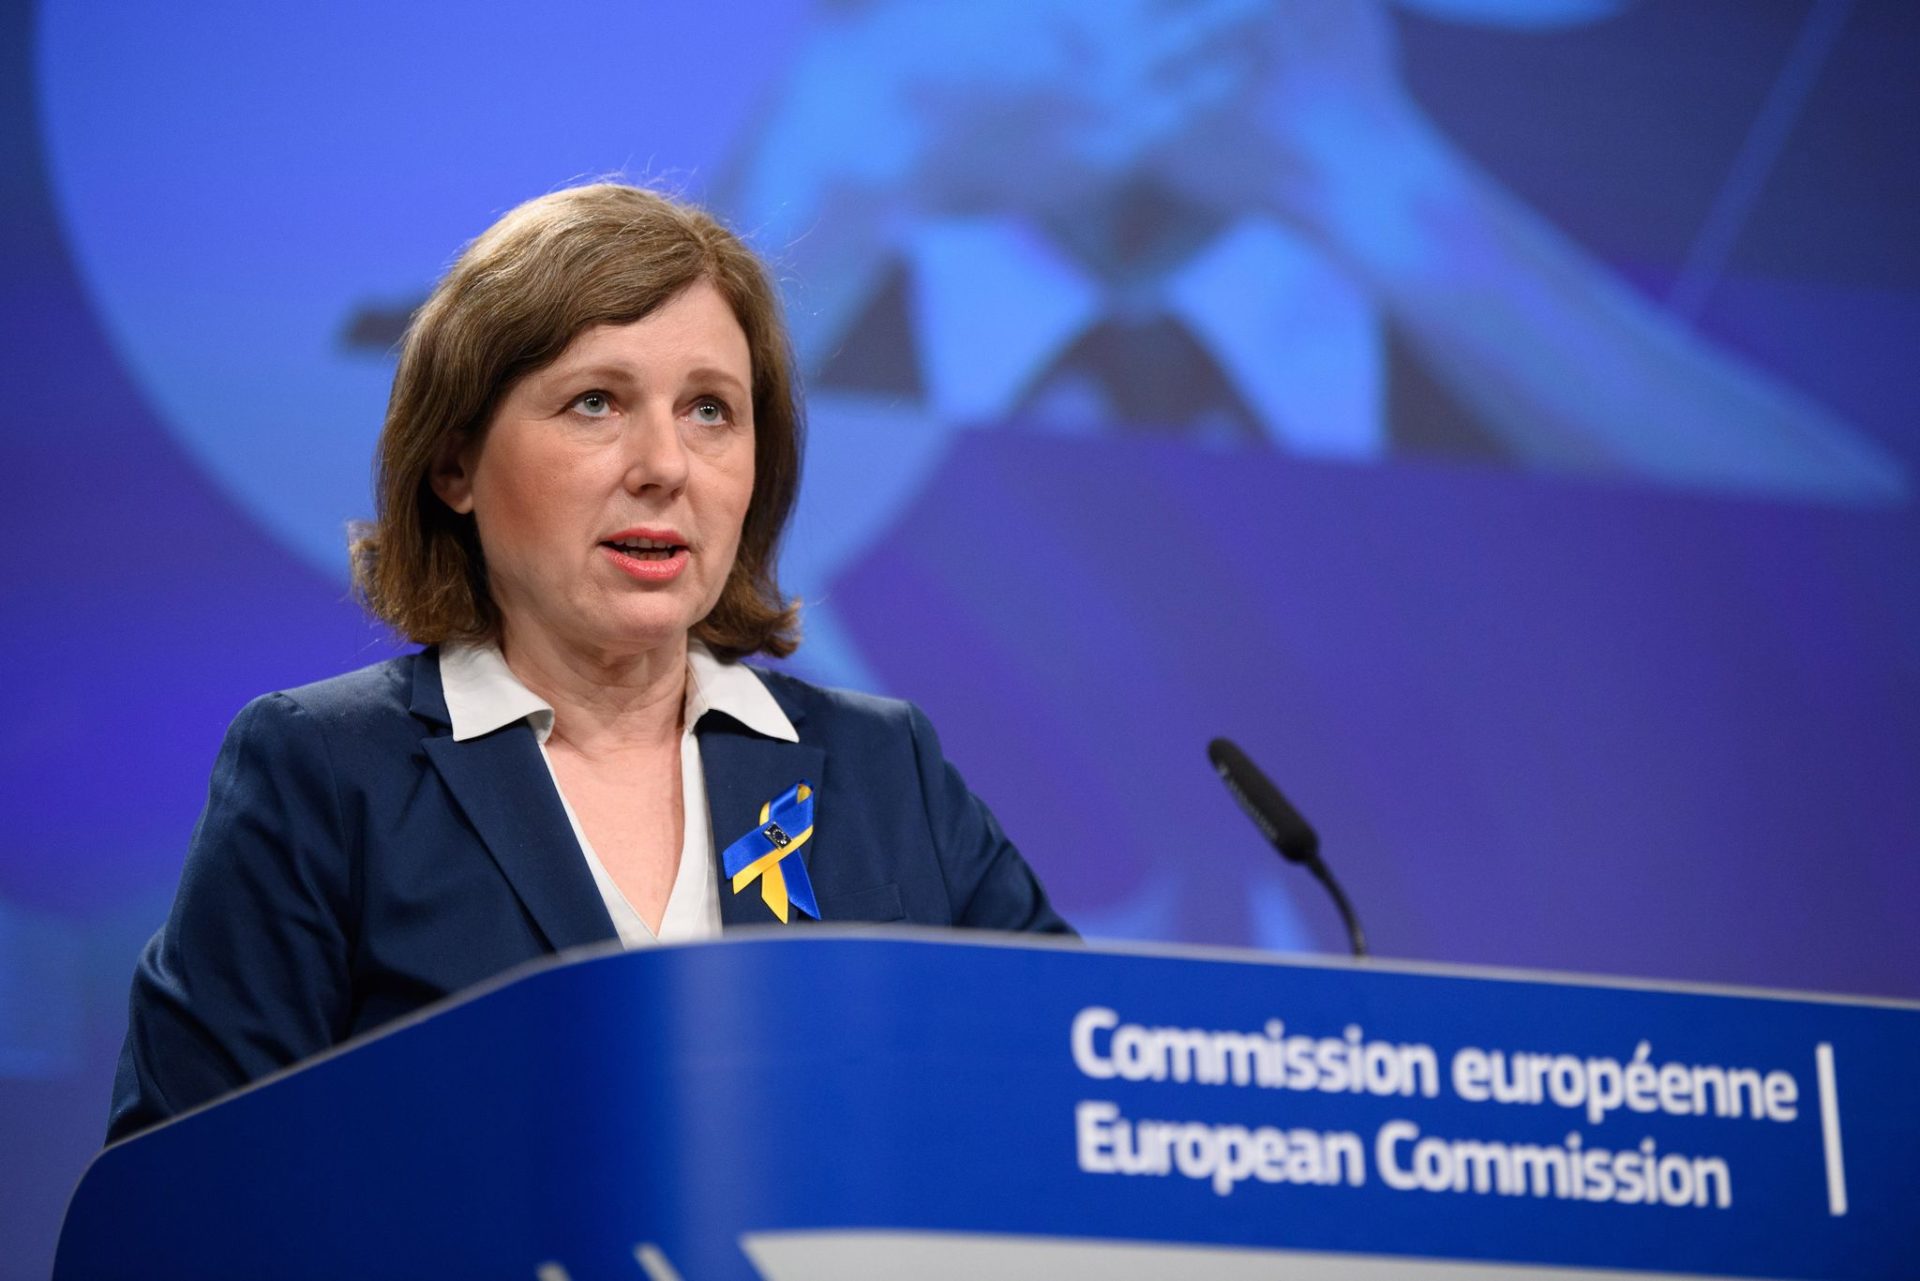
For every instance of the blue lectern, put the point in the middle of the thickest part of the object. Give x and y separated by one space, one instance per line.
866 1104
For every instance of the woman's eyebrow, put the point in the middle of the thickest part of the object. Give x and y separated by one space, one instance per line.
715 374
585 371
614 372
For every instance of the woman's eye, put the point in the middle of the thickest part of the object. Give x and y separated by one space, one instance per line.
594 404
709 412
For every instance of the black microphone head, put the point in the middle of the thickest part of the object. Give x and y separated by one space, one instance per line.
1292 835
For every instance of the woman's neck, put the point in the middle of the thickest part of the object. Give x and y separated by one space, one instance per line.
603 702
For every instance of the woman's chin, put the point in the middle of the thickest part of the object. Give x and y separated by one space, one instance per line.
643 638
627 635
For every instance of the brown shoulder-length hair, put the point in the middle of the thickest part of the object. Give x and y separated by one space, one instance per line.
605 254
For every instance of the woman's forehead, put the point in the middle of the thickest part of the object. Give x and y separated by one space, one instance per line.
695 329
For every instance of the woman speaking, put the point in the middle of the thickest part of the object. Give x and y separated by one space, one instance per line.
591 449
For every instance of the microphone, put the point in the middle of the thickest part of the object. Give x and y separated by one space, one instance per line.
1282 825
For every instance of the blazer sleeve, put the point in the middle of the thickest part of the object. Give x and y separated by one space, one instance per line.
250 973
989 884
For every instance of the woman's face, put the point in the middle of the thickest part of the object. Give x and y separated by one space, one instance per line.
610 487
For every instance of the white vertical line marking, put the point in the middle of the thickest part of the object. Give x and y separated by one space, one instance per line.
653 1261
1830 1130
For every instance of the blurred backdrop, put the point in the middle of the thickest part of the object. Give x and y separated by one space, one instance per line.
1498 415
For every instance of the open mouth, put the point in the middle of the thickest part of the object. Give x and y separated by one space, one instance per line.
646 548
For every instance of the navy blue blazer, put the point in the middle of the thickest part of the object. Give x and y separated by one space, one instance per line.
355 863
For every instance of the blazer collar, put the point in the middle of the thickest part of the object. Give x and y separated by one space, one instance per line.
502 784
428 700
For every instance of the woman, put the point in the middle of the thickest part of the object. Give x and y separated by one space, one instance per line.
591 449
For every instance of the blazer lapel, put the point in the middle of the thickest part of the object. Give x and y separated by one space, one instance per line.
744 771
501 782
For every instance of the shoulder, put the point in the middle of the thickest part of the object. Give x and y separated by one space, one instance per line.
384 687
841 715
891 737
365 692
366 706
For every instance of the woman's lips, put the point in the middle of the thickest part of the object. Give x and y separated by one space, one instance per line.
656 565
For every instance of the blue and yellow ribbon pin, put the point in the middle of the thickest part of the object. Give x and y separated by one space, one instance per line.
770 854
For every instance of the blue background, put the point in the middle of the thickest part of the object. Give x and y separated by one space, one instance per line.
1614 672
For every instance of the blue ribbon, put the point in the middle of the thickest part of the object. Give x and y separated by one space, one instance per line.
770 853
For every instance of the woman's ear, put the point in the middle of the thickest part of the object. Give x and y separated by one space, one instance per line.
452 474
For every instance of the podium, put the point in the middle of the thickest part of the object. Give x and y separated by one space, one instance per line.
815 1103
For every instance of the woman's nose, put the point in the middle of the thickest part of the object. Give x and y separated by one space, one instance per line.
656 454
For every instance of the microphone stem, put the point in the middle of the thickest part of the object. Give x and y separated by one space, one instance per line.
1355 937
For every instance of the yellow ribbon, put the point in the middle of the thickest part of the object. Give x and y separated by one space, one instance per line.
773 882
